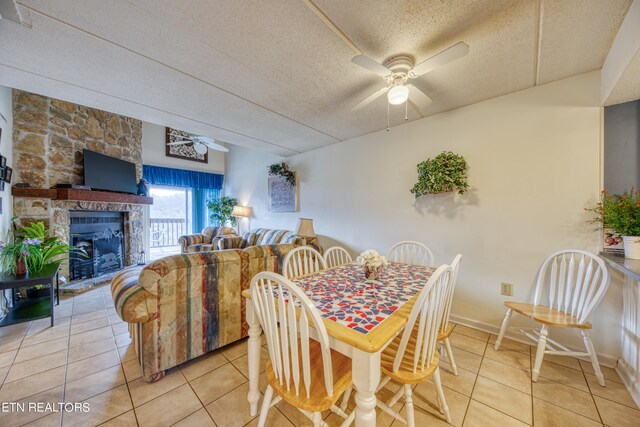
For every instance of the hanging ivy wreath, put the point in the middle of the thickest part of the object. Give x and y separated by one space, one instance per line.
445 172
282 169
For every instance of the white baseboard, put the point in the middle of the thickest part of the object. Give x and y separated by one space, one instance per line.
630 380
604 359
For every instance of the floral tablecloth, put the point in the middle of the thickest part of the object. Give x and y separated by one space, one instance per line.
343 294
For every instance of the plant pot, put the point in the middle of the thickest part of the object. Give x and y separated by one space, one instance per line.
631 247
20 269
37 293
372 273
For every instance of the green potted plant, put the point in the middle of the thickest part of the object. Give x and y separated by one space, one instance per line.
221 209
282 169
445 172
16 255
621 212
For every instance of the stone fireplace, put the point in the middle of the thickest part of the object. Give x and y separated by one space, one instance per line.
49 136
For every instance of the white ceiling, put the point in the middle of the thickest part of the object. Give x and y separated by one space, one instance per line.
272 75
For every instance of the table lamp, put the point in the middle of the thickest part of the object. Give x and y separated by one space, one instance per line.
304 229
240 212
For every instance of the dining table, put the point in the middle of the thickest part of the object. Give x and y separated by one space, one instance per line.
362 317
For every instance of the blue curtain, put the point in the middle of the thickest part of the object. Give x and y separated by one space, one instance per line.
204 187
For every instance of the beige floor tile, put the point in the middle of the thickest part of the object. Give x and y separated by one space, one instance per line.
89 325
169 408
54 419
472 345
92 365
11 332
19 418
566 397
200 418
242 362
609 373
480 415
546 414
569 362
3 373
509 357
235 350
120 328
616 415
42 349
425 397
294 416
90 336
422 418
103 407
509 344
231 409
142 391
127 352
91 349
199 366
123 339
7 358
462 383
88 386
46 334
464 359
8 344
80 318
132 370
613 391
33 384
128 419
503 398
217 383
506 374
35 366
470 332
275 418
564 375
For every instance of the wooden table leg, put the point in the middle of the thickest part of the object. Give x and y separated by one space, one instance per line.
254 344
365 370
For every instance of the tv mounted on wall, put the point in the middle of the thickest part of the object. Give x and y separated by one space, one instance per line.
108 173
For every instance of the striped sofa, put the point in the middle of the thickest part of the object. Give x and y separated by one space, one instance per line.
183 306
263 236
205 241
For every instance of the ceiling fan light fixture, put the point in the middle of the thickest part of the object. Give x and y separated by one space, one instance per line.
398 94
200 148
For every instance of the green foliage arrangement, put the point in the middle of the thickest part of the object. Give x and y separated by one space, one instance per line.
282 169
445 172
620 212
221 208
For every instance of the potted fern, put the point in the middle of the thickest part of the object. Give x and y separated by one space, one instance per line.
444 173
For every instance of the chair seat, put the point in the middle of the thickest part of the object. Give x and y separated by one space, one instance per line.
547 315
405 374
446 332
318 400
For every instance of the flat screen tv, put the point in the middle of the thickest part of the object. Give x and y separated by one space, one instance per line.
108 173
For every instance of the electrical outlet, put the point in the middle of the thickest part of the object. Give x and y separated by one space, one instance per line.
506 289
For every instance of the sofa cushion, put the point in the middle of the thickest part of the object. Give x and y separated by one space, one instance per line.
271 237
210 233
230 242
200 247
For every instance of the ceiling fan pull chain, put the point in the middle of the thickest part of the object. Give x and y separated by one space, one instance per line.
387 117
406 115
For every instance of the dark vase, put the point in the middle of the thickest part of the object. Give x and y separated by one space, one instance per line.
20 268
143 188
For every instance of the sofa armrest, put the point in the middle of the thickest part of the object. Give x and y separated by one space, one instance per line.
230 242
188 240
133 303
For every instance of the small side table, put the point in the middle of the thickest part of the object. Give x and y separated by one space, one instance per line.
30 308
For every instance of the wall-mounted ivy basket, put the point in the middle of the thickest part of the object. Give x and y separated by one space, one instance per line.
444 173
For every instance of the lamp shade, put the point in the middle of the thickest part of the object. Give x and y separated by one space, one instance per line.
305 228
240 211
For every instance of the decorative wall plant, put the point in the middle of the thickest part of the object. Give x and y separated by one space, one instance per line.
445 172
282 169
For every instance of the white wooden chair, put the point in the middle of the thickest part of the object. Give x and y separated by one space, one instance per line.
570 284
302 371
445 327
412 357
336 256
302 260
409 252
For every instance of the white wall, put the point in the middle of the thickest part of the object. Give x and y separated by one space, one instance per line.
6 149
154 153
534 161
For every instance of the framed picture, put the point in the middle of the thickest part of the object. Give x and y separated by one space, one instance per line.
3 162
8 173
612 241
283 197
183 151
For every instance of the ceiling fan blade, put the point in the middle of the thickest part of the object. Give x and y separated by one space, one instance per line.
418 98
369 99
371 65
211 144
456 51
187 141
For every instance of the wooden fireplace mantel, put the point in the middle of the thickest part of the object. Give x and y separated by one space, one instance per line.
80 195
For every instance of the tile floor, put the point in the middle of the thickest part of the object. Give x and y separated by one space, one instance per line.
88 357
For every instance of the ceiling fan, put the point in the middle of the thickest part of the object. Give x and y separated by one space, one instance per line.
400 69
200 143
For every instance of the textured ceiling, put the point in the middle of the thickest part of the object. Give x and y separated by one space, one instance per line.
272 75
